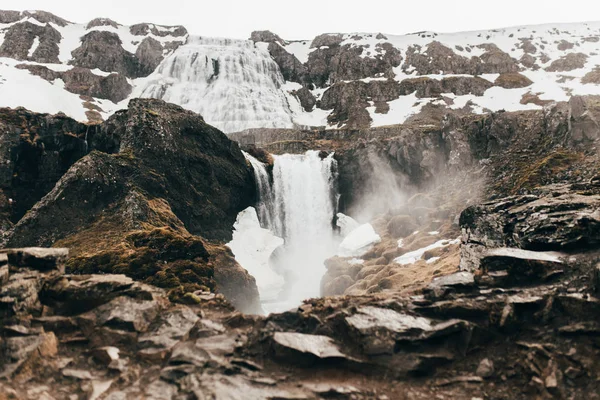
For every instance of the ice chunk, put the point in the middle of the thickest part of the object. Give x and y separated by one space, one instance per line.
346 224
252 247
359 241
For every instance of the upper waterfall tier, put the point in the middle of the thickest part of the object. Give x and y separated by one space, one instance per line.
233 84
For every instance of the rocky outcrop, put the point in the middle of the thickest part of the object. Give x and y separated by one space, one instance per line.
585 119
513 80
153 132
8 16
494 61
291 68
568 62
101 22
36 150
529 61
332 62
564 45
350 100
45 17
113 87
440 59
136 203
306 98
144 29
528 47
592 77
428 87
267 37
29 41
149 54
560 219
104 50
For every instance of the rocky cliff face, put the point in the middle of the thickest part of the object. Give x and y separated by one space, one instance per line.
150 193
433 69
355 80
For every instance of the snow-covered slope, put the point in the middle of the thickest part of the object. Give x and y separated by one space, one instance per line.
335 80
558 59
51 44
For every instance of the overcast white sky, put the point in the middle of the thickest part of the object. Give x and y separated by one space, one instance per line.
303 19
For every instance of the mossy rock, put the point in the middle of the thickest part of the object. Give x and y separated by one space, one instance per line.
513 80
401 226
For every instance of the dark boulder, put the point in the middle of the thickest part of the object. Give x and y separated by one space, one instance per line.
138 212
104 50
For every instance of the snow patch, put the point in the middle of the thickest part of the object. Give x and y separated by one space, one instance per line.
414 256
359 241
34 46
527 254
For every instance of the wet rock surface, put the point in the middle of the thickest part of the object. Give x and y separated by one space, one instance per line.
459 337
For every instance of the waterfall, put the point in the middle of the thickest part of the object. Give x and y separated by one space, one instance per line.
233 84
298 206
265 193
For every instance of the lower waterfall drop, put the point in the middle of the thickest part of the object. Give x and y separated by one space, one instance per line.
298 206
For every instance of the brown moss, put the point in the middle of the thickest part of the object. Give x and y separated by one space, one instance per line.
94 117
513 81
401 226
92 107
592 77
533 173
533 98
160 256
159 251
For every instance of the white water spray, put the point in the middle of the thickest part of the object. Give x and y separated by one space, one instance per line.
234 84
298 206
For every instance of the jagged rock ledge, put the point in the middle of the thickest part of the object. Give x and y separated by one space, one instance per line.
459 337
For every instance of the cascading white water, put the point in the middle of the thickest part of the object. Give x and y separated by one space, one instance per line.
303 209
233 84
299 207
265 210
